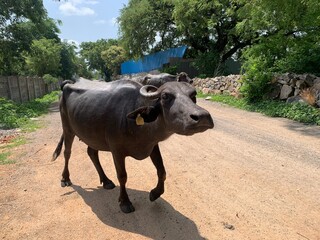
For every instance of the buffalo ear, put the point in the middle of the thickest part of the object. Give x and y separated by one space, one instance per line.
149 114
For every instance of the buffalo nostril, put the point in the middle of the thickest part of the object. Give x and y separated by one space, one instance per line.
194 117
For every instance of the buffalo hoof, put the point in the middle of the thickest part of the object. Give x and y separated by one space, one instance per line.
127 208
109 185
154 195
66 183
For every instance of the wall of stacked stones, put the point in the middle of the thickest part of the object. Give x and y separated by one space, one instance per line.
288 87
218 85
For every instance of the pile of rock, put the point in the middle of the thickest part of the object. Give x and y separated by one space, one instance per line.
288 87
218 85
296 87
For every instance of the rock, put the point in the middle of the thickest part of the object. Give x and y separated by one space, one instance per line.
293 82
228 226
301 84
294 99
216 91
205 90
309 79
316 85
317 101
282 81
296 92
275 92
286 91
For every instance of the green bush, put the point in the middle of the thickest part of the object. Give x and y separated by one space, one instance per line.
13 115
49 79
255 86
170 69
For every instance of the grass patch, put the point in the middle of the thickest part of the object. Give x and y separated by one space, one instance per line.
4 158
297 111
14 143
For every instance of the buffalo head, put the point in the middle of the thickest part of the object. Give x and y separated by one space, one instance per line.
174 104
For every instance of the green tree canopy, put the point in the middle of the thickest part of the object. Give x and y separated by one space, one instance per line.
215 30
44 57
20 23
91 52
68 60
206 27
288 40
113 58
147 26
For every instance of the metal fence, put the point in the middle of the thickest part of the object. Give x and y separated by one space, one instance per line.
23 89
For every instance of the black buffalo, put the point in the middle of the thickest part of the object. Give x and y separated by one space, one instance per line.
159 79
127 119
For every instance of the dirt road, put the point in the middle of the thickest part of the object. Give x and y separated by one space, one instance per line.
251 177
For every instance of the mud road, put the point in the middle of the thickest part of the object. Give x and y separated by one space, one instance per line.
251 177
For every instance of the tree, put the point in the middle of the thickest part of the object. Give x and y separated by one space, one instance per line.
147 26
287 40
215 30
113 58
44 57
20 23
68 60
91 52
206 27
82 68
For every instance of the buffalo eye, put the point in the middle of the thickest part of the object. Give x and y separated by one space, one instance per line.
166 96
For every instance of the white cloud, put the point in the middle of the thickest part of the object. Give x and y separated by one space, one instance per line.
73 7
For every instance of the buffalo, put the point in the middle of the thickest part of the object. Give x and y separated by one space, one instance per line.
159 79
127 119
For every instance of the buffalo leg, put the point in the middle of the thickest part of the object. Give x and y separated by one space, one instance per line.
125 204
68 140
93 154
161 172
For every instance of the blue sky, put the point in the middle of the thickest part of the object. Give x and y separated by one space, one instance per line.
86 20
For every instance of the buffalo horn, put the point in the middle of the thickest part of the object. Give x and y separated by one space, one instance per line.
149 91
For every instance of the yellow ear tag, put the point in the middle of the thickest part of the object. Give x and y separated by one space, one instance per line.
139 120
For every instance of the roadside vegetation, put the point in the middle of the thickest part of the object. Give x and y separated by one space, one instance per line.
300 112
21 116
14 115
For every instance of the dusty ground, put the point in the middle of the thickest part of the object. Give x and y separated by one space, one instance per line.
252 177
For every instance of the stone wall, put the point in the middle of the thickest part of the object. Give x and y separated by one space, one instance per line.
218 85
287 87
296 87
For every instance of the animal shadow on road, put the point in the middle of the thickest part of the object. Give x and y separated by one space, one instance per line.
305 129
156 220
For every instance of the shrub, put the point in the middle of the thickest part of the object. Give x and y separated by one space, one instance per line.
49 79
13 115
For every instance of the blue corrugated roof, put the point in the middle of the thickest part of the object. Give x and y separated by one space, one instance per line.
152 61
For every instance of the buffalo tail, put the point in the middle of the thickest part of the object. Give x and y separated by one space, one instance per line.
57 152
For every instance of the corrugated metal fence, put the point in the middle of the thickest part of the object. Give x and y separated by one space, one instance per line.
23 89
152 61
